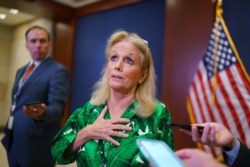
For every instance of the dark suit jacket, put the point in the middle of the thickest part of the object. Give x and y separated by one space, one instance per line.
243 158
49 83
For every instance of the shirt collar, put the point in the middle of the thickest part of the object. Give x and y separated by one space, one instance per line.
36 62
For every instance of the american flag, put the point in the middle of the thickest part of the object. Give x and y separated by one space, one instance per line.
220 90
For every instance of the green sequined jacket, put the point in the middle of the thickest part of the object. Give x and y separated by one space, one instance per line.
96 153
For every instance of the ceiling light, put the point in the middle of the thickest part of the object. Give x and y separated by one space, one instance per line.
2 16
14 11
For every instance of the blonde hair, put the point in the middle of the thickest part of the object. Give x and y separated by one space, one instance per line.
145 91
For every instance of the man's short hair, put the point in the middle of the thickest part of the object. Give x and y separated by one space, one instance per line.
37 27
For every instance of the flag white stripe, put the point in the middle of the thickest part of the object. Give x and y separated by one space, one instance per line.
196 109
246 97
228 115
200 95
206 91
194 100
241 86
235 101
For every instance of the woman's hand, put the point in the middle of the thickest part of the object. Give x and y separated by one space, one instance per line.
103 129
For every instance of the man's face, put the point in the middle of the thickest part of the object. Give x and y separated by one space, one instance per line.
38 44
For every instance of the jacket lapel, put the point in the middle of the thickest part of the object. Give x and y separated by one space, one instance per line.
34 74
19 75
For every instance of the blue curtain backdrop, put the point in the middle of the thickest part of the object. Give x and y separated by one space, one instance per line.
92 32
236 15
147 19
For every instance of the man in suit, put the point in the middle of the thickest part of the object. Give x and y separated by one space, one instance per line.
30 128
235 153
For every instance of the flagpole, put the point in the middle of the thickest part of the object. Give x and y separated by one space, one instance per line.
217 20
214 1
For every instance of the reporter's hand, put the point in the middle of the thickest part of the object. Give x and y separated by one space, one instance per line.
214 134
197 158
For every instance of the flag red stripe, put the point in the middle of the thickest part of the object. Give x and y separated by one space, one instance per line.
244 79
232 109
197 100
238 93
217 104
206 98
247 87
192 108
201 146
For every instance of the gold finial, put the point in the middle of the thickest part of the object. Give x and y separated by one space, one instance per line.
220 1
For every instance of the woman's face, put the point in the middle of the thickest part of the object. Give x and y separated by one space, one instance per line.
124 69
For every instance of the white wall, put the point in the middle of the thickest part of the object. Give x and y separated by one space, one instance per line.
5 48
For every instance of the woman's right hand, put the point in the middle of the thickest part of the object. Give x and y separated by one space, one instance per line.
103 129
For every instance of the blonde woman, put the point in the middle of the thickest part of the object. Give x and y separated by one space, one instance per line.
122 109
